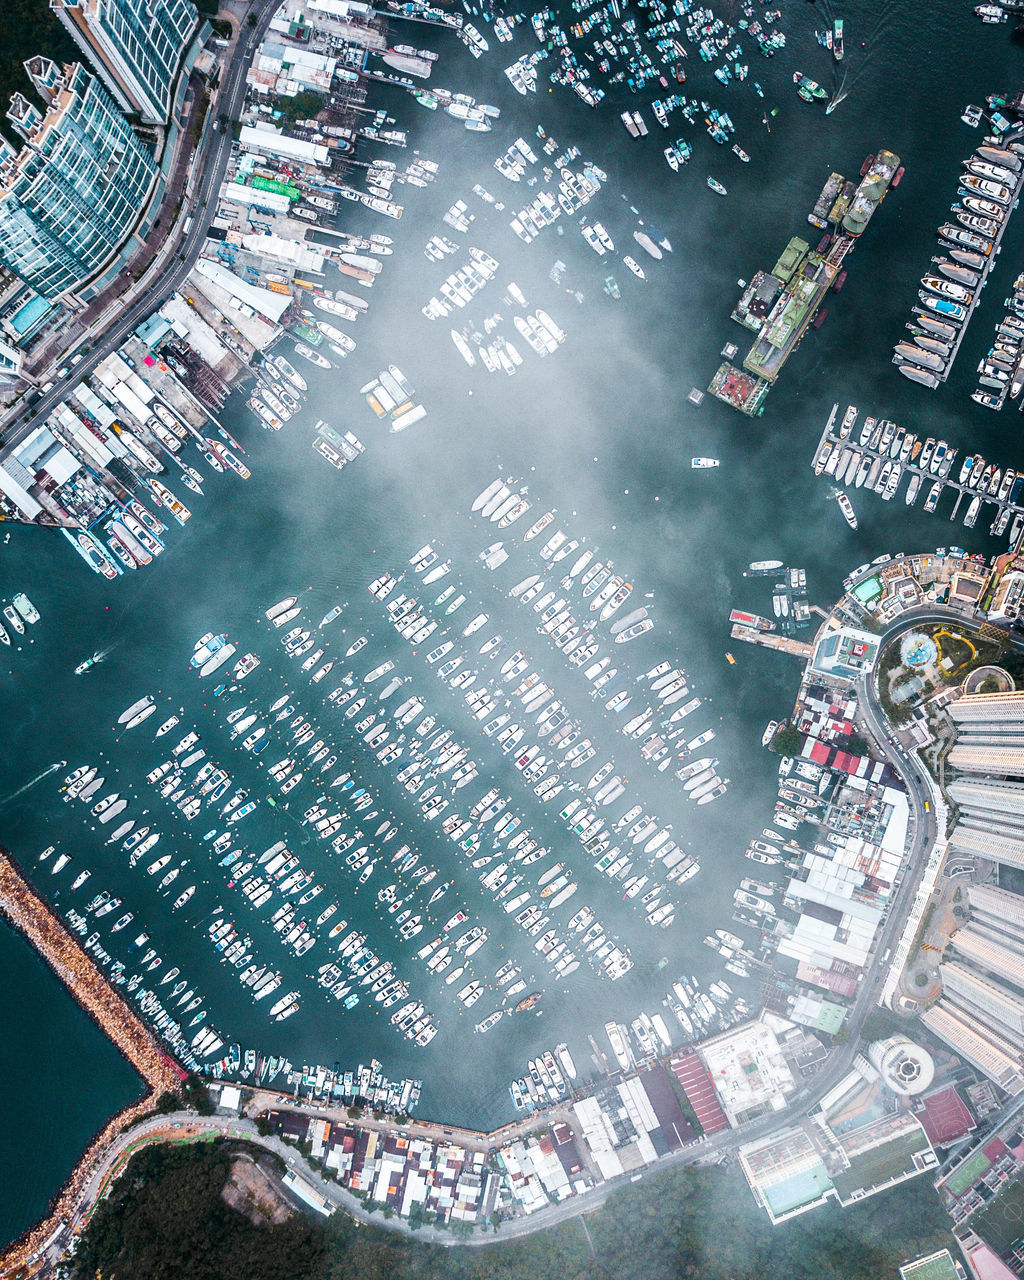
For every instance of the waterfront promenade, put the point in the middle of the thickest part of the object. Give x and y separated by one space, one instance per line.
29 915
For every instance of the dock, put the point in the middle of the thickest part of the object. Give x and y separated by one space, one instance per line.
770 640
21 907
1005 511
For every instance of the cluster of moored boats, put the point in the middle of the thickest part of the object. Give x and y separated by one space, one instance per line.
549 1079
129 535
605 591
279 393
17 612
495 352
884 453
1002 369
988 190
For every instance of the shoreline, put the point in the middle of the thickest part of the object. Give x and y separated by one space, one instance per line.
26 913
23 908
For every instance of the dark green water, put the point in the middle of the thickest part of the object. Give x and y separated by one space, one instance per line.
62 1079
602 431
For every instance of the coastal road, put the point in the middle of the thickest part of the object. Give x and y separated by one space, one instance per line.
201 206
186 1126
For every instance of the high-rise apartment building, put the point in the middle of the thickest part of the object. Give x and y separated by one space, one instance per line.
982 996
75 193
956 1030
137 46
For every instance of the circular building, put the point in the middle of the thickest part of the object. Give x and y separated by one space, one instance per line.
918 651
904 1066
991 678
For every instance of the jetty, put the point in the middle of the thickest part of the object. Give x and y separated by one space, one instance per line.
1007 508
771 640
26 912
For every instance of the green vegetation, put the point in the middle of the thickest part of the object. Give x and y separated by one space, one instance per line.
30 27
888 664
857 745
880 1024
202 107
196 1097
166 1220
303 106
989 685
788 741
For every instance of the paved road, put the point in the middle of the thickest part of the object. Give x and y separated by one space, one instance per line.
201 206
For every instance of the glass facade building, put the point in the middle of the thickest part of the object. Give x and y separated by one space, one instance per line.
74 194
137 47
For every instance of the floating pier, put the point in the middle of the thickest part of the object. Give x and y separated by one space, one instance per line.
1005 510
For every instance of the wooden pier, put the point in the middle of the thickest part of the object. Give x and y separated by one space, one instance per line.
771 640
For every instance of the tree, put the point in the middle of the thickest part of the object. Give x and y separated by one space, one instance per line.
195 1097
989 685
303 106
166 1103
857 745
788 741
263 1127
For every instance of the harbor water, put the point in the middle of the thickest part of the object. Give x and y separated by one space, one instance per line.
602 431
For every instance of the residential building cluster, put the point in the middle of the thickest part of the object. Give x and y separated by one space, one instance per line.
80 196
609 1130
437 1181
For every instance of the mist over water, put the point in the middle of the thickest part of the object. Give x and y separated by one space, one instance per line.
600 430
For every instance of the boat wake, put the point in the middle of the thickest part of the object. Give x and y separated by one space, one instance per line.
92 661
57 764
